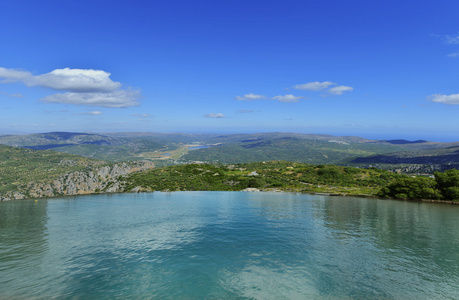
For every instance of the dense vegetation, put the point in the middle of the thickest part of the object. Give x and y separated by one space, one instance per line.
444 186
275 175
20 166
297 177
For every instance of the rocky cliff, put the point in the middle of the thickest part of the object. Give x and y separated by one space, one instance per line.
102 179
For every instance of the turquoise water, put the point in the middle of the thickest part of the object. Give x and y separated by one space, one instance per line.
227 245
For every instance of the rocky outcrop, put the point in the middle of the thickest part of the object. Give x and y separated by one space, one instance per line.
104 179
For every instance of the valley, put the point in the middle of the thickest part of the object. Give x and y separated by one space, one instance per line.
60 163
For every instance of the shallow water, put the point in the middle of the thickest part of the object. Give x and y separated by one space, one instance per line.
195 245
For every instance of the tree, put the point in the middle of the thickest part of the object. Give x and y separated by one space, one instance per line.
411 188
448 184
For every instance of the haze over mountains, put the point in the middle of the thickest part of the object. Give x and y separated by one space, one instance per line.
167 149
68 163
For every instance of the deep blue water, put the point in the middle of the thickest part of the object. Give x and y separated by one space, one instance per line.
227 245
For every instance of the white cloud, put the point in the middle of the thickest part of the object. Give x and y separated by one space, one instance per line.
14 75
250 97
317 86
452 39
314 86
142 115
72 80
214 115
95 112
121 98
83 86
339 90
91 113
452 99
287 98
455 54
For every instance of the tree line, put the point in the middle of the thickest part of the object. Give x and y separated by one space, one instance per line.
443 186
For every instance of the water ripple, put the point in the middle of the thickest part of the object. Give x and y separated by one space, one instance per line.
227 246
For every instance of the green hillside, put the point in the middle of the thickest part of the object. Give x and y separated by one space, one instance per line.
19 166
110 148
435 156
275 175
329 151
169 149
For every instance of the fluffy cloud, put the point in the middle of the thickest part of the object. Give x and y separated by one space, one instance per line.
314 86
455 54
14 75
72 80
339 90
214 115
446 99
121 98
250 97
83 86
287 98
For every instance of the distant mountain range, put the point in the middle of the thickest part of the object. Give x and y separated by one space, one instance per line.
169 149
105 147
67 163
447 155
404 142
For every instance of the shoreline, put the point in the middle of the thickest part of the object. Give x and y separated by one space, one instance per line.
250 191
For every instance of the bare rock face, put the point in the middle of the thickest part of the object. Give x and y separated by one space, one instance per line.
105 179
12 195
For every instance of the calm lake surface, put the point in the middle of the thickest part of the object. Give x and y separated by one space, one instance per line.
199 147
228 245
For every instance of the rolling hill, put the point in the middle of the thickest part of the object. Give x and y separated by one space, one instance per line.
27 173
176 148
328 150
110 148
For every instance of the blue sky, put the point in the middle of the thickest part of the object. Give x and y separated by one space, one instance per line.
376 69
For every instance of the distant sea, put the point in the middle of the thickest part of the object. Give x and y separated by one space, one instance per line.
227 245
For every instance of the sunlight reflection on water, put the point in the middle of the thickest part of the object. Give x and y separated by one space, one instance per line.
228 245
